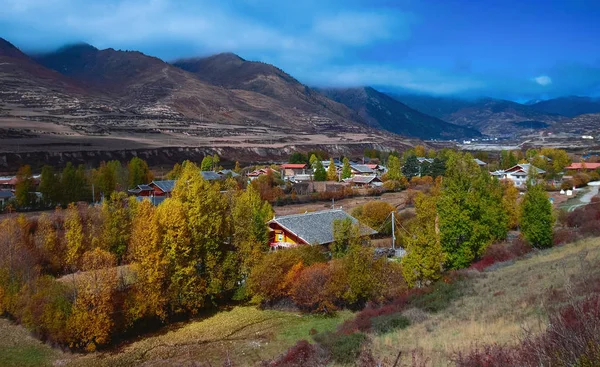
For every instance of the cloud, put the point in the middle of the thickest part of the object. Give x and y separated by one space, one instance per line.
543 80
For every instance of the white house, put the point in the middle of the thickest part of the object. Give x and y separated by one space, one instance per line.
517 174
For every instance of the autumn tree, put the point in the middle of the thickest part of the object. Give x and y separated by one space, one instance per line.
510 196
139 172
148 297
237 168
175 172
109 177
394 168
49 244
50 186
346 234
215 162
73 236
375 214
332 171
25 187
420 151
92 323
117 224
536 218
424 257
250 233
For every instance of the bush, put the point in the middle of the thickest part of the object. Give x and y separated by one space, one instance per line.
386 323
343 348
300 355
310 291
439 298
500 252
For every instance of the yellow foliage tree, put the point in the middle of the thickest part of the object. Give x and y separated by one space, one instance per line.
73 236
332 171
91 323
510 204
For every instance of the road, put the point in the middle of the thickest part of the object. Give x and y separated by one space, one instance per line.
593 188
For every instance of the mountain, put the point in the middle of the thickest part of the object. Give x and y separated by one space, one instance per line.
570 106
230 71
494 117
384 112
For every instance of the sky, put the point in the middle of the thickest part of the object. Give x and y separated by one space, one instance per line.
519 50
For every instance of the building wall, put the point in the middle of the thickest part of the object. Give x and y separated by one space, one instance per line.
280 235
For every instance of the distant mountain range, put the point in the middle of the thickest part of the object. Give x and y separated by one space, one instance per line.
226 89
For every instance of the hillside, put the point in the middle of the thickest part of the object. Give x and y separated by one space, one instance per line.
570 106
384 112
495 117
493 307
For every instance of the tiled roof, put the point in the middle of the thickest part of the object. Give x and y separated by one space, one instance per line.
480 162
165 185
293 166
226 172
364 179
316 227
592 166
362 168
6 194
210 175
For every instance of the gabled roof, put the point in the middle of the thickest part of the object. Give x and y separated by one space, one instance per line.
480 162
361 168
363 179
210 175
524 167
225 172
6 194
293 166
423 159
316 227
164 185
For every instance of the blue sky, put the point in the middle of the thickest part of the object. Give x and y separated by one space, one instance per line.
518 50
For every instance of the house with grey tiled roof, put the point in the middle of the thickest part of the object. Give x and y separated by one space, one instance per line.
314 228
360 180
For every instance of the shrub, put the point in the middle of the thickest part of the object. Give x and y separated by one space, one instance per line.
439 298
343 348
310 291
500 252
386 323
300 355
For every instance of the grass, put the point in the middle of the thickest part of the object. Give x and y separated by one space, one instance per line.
19 349
244 335
495 305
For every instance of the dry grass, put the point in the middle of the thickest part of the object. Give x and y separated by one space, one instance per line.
497 304
244 335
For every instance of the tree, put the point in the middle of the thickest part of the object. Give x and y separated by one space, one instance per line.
148 257
345 235
375 214
91 323
313 161
237 168
74 184
250 233
510 204
207 163
49 186
117 224
438 168
51 248
215 162
470 211
424 257
73 236
320 173
536 217
175 172
420 151
107 177
25 187
394 168
411 168
139 172
332 171
298 158
346 170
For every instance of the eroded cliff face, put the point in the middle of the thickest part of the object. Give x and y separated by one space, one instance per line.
10 162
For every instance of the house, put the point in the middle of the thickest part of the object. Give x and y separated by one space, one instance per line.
228 173
423 159
292 169
308 229
211 176
10 182
583 167
5 197
162 188
518 174
259 172
480 163
141 190
361 169
364 181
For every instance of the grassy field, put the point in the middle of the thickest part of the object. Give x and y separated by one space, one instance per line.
19 349
496 304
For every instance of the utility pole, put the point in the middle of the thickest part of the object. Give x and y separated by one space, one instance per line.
393 232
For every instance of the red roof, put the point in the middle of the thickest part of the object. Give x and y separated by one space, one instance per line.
576 166
372 166
293 166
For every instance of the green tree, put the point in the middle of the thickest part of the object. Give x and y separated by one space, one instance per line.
207 163
394 168
470 211
438 167
139 172
298 158
345 235
536 217
313 161
74 184
320 173
332 171
215 162
25 187
411 168
50 186
346 170
424 257
109 177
